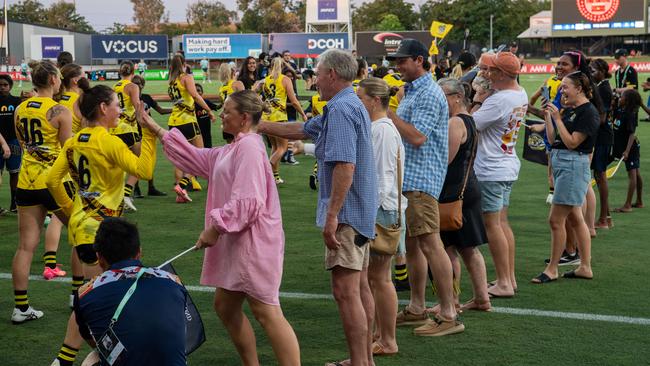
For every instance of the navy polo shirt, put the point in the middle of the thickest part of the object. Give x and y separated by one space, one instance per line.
152 324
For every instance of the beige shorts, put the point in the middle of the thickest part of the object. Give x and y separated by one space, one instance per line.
349 255
422 215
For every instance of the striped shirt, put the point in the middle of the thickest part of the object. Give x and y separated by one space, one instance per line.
425 107
342 134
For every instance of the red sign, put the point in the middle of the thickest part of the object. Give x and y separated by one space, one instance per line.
598 11
550 68
15 75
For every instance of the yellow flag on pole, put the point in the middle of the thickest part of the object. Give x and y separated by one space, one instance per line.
440 29
433 50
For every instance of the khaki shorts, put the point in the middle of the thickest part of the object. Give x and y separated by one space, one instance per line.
349 255
422 215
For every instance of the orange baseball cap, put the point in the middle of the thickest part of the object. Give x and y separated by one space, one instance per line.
504 61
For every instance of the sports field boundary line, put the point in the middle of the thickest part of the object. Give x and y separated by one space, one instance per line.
495 309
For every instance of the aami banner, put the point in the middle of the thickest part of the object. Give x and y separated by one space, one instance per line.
49 46
302 45
128 46
221 46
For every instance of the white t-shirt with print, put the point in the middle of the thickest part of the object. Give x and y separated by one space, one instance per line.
498 122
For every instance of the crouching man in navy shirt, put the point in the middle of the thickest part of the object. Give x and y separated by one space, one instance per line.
151 325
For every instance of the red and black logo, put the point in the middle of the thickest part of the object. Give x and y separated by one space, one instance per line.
391 41
598 11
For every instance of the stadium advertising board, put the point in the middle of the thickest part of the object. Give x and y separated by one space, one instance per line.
598 17
327 11
379 44
302 45
221 46
128 47
49 46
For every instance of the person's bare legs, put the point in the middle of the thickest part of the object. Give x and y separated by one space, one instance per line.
30 224
603 194
631 189
510 239
278 148
368 302
228 305
440 265
557 221
131 179
53 234
639 190
417 270
346 288
590 210
475 265
455 267
385 296
576 221
279 331
498 244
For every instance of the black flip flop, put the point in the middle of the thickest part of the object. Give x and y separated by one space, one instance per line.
573 274
542 278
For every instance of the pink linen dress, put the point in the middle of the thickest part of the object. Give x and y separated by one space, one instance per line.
244 207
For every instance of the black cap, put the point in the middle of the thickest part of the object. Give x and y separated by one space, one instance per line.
621 52
409 48
467 59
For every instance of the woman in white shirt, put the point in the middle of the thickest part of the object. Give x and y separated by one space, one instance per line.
386 140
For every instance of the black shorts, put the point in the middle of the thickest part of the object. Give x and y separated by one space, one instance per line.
189 130
41 197
634 158
601 158
130 138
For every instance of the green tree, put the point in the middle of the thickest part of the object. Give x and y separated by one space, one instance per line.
369 15
510 17
148 14
29 11
267 16
117 28
64 15
209 16
390 22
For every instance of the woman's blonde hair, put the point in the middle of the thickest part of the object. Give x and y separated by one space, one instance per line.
376 87
225 73
276 67
248 101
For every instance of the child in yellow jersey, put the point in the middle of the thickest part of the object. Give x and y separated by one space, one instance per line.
97 162
276 90
182 91
71 88
128 94
42 126
228 83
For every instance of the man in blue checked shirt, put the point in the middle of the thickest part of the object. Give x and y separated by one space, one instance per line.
421 119
347 201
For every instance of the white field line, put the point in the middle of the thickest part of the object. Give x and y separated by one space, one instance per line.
501 310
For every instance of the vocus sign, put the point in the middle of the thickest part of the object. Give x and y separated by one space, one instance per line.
129 46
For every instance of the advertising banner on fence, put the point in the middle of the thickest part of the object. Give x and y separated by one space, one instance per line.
164 74
50 46
221 46
550 68
327 11
128 47
302 45
379 44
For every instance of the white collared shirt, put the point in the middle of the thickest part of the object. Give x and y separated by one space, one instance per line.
386 141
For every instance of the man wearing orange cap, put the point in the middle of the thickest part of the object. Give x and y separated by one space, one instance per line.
498 116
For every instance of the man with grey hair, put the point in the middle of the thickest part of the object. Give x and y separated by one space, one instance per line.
347 201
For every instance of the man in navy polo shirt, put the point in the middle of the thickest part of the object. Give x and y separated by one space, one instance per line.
151 326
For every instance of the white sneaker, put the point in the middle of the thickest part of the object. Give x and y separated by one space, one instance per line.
19 317
55 362
549 199
46 222
71 301
128 202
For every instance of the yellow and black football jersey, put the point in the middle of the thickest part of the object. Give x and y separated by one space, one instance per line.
553 84
183 104
97 162
68 99
226 90
128 123
355 84
394 80
276 95
39 140
317 105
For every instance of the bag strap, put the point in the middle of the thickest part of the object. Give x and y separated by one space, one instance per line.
471 161
399 188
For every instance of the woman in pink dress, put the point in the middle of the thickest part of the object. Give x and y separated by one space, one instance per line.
243 233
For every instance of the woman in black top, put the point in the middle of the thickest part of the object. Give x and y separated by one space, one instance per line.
626 146
574 137
203 119
248 72
462 149
604 139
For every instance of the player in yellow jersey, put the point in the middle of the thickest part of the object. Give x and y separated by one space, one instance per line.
97 162
42 126
362 73
73 77
183 94
228 83
276 90
128 94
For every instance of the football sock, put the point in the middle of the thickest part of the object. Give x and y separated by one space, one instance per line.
49 258
77 281
128 190
20 299
185 182
400 272
67 355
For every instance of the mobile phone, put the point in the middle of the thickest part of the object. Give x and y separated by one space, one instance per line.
546 95
360 240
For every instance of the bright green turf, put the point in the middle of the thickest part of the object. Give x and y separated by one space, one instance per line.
620 288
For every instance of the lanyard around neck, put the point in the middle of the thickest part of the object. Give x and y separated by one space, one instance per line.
127 296
622 81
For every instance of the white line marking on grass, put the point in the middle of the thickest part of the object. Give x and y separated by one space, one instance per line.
500 310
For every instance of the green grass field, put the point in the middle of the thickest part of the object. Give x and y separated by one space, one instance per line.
504 337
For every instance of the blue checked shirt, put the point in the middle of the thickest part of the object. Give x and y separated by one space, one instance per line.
425 107
342 134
